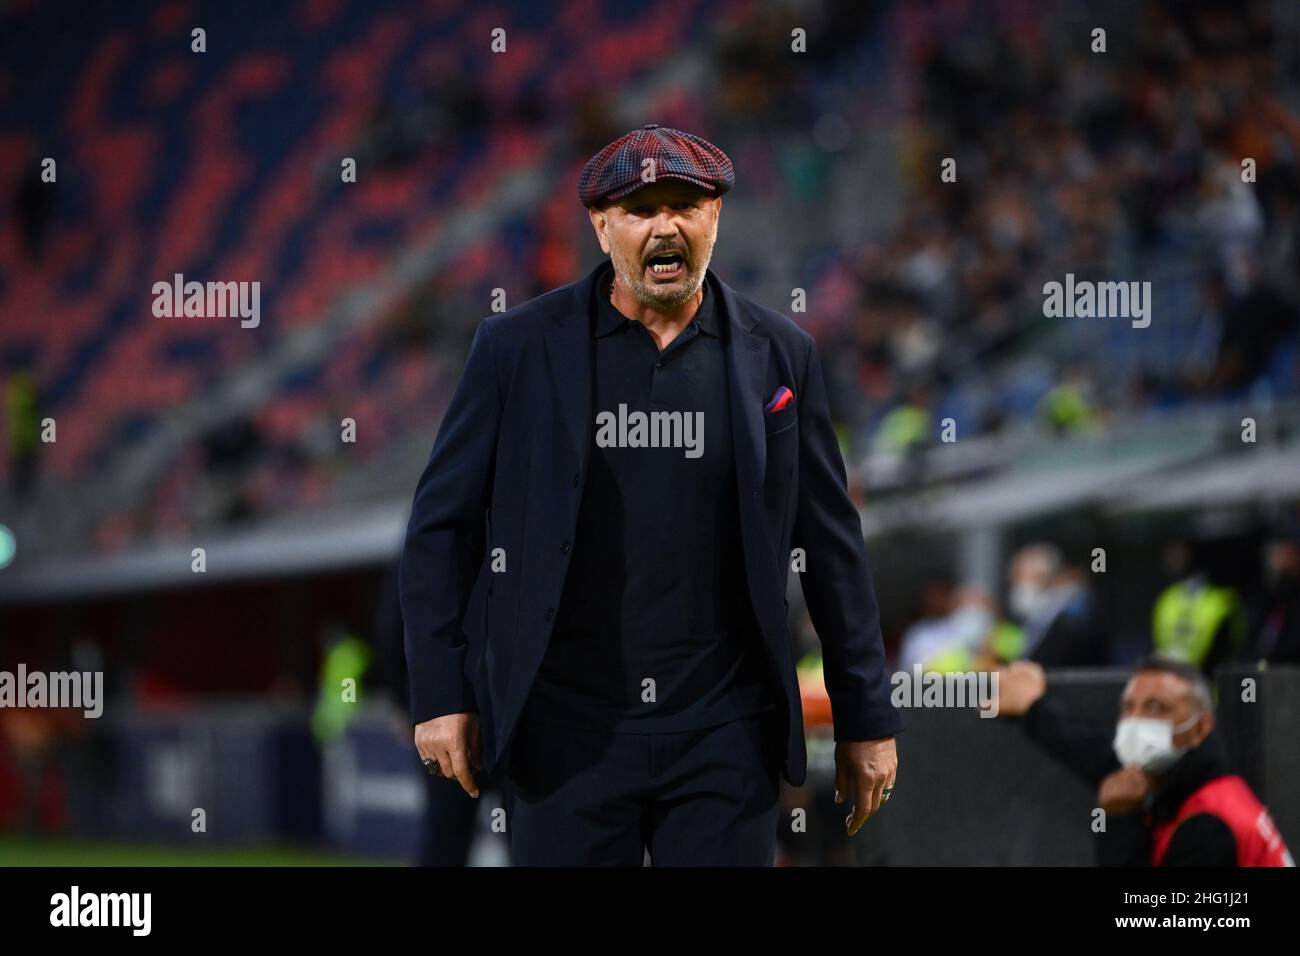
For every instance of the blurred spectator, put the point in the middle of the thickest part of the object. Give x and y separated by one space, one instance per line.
929 632
1195 619
1068 407
957 633
904 434
345 660
1054 604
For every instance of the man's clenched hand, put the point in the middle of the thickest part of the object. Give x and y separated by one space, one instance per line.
863 769
1020 684
453 742
1124 790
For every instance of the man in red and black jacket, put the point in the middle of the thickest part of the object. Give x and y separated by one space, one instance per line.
1161 776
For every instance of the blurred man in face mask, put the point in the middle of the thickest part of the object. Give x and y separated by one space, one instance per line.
1054 606
1160 771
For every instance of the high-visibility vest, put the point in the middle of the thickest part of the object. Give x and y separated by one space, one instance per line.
346 660
1231 800
950 660
1187 617
1065 407
20 408
1008 641
902 428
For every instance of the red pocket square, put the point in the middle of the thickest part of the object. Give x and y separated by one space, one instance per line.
780 400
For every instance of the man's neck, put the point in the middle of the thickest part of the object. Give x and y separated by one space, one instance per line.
1188 774
662 326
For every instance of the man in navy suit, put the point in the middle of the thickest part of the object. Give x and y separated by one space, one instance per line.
593 576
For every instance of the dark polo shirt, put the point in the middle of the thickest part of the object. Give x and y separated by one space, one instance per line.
656 589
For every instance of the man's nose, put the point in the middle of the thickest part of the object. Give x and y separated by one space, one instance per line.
665 222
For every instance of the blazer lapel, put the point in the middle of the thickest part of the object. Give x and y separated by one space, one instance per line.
747 362
569 356
747 366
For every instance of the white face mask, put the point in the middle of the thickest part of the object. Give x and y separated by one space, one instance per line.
1026 600
1148 742
970 625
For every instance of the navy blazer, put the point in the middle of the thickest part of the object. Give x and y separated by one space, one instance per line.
507 470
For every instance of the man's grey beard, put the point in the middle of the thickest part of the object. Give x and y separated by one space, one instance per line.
649 295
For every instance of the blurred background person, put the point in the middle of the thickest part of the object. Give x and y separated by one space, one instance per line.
1160 771
959 632
1053 604
1197 619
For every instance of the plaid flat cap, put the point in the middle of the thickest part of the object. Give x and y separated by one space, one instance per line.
618 169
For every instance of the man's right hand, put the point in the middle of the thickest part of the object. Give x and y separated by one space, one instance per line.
1124 790
453 742
1019 685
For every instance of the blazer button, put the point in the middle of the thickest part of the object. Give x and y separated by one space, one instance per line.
575 479
565 548
550 613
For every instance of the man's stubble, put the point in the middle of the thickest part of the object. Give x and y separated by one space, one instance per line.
630 274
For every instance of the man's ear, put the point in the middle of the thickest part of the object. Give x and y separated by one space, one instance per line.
1202 728
598 222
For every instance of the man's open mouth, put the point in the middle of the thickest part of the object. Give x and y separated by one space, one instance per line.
667 266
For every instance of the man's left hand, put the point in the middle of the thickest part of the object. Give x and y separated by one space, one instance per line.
863 769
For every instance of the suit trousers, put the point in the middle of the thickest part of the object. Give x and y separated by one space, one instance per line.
704 797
